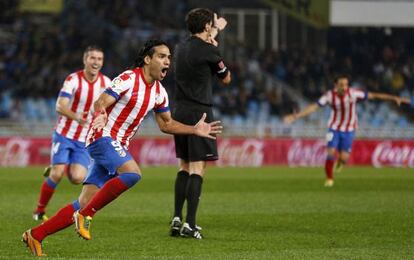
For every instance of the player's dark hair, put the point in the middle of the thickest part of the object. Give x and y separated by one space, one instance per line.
92 48
197 19
147 50
341 76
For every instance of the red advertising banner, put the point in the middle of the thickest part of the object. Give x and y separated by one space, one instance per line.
18 151
249 152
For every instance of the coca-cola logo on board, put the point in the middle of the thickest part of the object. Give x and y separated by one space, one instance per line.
15 152
153 153
247 153
311 154
387 154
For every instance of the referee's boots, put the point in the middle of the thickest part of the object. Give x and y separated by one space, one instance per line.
187 231
175 227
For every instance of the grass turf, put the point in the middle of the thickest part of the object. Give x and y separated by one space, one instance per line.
246 213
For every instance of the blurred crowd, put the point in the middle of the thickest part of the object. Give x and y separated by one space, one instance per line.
38 51
376 60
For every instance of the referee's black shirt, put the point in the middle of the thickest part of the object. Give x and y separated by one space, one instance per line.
196 62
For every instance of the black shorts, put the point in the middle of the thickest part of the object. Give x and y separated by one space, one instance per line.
192 148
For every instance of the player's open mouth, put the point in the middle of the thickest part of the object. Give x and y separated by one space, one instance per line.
164 72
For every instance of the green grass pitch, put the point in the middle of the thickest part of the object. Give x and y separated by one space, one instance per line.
246 213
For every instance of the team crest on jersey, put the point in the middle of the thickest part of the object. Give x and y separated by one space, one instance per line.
117 82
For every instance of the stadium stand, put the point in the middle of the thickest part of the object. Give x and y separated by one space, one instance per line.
38 51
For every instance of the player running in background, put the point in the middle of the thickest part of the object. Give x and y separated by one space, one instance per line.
343 120
119 112
75 100
197 60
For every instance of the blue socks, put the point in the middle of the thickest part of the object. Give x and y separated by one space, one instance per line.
76 205
129 179
51 183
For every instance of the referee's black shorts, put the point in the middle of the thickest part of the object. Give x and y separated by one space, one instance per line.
192 148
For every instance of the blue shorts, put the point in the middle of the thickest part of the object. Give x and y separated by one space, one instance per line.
68 151
341 141
107 156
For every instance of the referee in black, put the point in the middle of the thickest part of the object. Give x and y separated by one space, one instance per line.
197 61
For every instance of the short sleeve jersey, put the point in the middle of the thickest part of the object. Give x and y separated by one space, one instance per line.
343 116
134 99
195 63
82 94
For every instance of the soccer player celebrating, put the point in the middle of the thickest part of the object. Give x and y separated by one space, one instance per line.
342 122
75 100
197 60
118 113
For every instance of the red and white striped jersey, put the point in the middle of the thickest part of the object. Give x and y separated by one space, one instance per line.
343 114
135 98
82 94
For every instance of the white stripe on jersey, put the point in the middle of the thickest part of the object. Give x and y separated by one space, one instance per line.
81 96
343 115
136 99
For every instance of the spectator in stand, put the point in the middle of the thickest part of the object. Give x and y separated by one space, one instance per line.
34 49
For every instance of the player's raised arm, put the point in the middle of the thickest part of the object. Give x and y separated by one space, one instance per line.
384 96
202 128
288 119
